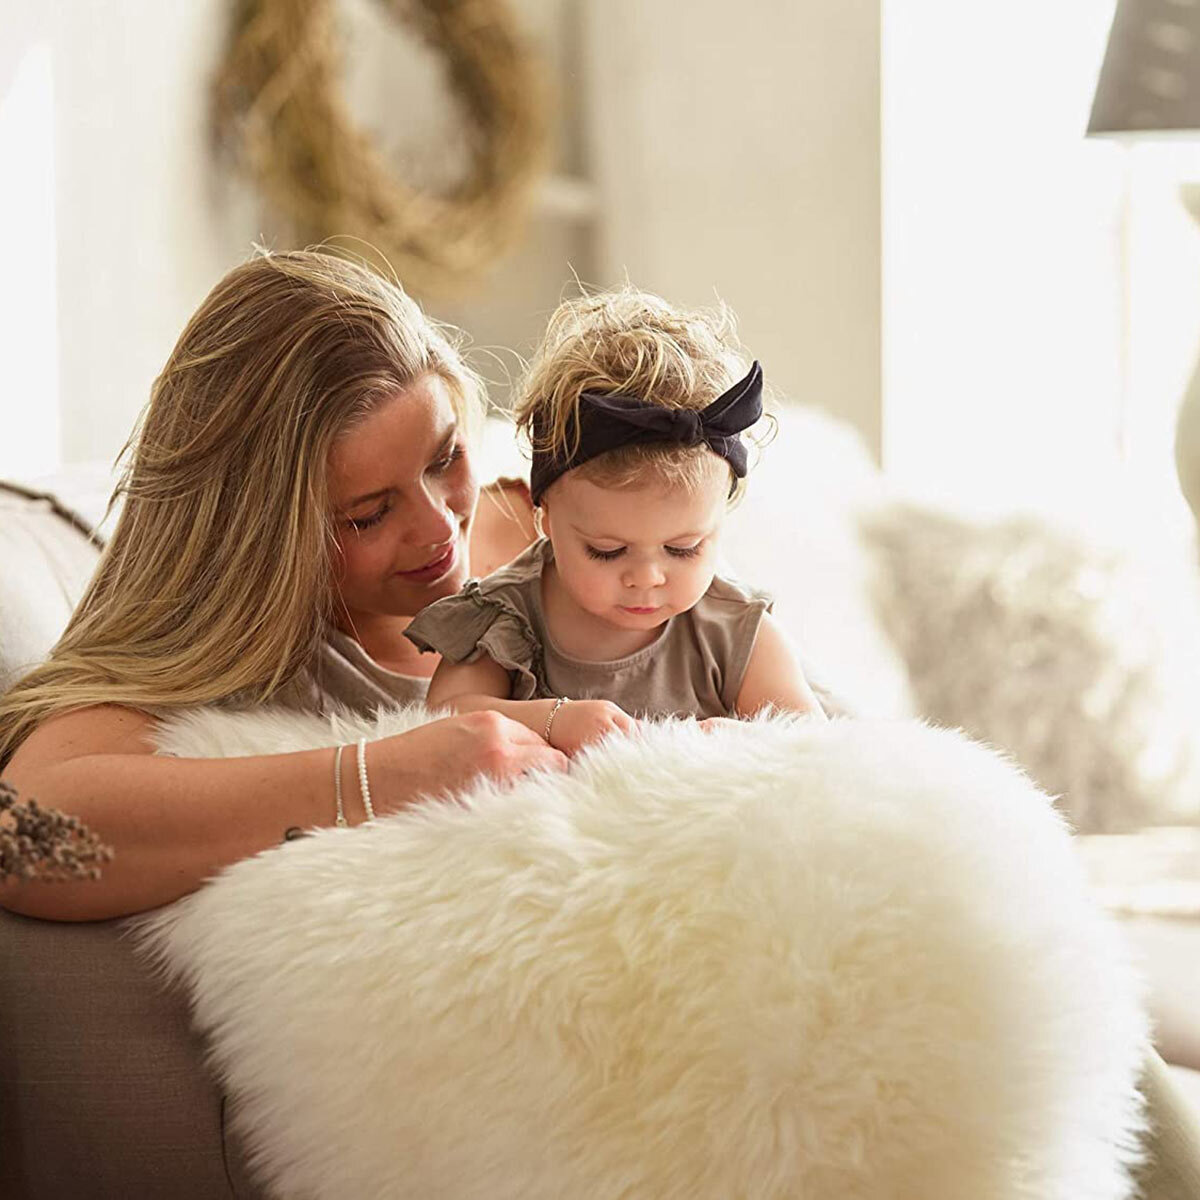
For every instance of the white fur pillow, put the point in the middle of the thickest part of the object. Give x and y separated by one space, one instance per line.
1079 658
781 959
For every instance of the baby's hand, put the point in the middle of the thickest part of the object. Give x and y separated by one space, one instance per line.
579 722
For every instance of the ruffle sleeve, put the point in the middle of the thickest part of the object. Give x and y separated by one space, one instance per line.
464 627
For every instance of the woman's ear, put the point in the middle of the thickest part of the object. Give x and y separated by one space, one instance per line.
541 518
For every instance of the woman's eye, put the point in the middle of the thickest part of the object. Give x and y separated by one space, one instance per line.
604 555
684 551
363 523
444 464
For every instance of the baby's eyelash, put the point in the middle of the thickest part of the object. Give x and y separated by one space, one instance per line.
673 551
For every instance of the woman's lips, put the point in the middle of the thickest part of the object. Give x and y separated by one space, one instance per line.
431 572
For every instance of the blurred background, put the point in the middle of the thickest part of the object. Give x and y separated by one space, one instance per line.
898 200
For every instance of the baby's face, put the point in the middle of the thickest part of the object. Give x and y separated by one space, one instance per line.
634 557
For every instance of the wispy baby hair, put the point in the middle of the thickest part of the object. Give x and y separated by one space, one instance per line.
630 343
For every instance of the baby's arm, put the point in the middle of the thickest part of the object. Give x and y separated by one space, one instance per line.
484 684
774 676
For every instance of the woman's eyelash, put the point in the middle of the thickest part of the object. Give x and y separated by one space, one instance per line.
362 523
438 468
444 464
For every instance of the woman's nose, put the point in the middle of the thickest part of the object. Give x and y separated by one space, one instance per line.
432 522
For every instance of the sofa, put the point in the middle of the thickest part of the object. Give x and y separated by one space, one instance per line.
103 1084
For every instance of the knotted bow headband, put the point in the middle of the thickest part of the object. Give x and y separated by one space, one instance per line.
610 422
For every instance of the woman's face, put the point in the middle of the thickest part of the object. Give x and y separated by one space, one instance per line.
403 499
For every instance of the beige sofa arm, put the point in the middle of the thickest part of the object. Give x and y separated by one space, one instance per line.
102 1082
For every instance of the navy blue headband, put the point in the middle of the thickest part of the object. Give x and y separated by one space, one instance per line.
610 422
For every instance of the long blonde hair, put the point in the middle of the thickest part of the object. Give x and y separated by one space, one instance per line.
629 342
217 583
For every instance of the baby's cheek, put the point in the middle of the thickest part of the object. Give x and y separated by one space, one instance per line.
594 587
583 580
699 582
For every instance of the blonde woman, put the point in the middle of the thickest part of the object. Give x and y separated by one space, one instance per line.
300 487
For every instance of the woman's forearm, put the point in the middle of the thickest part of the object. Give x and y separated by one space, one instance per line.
174 822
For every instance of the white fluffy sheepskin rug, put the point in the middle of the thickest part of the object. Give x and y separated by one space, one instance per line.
781 959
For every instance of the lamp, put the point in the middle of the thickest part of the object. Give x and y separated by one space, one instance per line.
1150 83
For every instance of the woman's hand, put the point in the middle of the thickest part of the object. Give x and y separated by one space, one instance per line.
579 722
447 756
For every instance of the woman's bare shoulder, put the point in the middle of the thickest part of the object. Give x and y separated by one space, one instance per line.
97 729
503 525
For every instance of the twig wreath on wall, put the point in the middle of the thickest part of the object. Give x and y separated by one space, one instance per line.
279 106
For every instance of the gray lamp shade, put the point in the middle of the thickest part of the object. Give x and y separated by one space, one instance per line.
1151 74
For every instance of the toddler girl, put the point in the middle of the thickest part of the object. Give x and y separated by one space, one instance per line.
635 413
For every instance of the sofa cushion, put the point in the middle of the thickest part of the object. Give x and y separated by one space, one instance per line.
48 555
1151 881
1073 650
796 534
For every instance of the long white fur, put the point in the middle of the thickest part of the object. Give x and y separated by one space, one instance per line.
775 960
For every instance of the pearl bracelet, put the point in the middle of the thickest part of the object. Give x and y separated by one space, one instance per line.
363 786
550 719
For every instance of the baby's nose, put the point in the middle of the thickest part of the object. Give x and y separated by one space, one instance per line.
644 574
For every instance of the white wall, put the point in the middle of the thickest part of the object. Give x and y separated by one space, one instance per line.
28 314
1040 287
397 89
735 155
135 235
121 222
142 232
737 149
1003 328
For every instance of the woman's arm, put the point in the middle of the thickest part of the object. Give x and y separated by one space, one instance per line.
484 685
174 822
774 676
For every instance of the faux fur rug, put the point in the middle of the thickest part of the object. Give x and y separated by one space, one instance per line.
777 960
